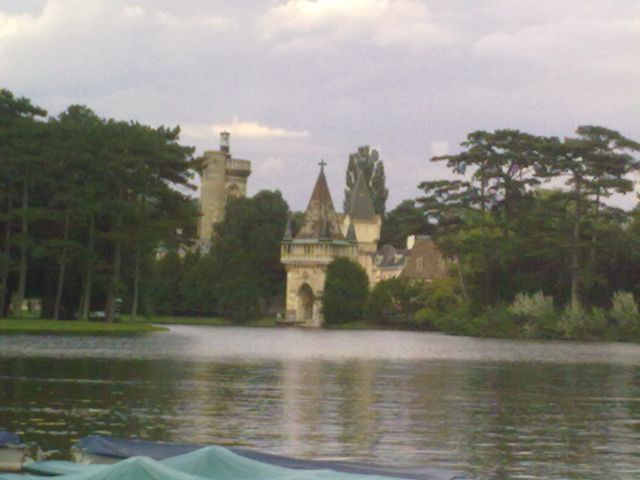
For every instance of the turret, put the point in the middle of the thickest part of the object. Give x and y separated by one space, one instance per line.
224 142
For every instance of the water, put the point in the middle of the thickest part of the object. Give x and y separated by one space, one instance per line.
492 408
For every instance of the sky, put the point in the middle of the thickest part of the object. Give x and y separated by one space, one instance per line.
297 81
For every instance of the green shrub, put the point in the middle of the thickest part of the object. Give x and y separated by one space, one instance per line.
624 310
345 291
597 323
392 301
536 313
582 325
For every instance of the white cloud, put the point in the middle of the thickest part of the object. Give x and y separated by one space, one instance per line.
612 44
316 23
241 129
58 15
169 20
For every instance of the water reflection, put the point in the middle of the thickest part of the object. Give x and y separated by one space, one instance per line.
523 410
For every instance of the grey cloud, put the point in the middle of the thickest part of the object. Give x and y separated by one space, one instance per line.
346 83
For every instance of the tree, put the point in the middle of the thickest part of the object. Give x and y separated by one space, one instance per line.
246 249
21 147
404 220
596 164
368 162
345 291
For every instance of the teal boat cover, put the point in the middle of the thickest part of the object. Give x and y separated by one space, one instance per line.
209 463
119 448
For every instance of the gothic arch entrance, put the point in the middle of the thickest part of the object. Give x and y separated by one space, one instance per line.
306 299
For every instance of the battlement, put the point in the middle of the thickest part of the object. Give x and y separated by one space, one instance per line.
238 168
315 252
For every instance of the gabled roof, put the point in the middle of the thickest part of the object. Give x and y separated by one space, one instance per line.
361 206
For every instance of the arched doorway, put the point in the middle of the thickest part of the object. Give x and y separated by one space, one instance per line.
305 303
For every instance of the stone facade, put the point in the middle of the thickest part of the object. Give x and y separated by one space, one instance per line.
307 256
326 235
222 177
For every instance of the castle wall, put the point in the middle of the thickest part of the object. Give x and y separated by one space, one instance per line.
297 276
306 264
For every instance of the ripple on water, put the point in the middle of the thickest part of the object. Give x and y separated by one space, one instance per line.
499 409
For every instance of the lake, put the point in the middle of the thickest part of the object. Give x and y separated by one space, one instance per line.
491 408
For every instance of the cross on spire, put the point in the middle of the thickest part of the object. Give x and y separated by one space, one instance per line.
322 164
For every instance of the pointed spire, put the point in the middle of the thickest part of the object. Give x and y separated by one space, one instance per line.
288 235
351 233
320 218
321 192
361 206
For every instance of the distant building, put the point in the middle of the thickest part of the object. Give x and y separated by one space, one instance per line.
222 177
326 235
307 256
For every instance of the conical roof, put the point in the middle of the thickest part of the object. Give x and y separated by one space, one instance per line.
321 193
361 206
320 219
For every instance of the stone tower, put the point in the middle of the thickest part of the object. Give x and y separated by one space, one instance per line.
307 256
221 178
365 224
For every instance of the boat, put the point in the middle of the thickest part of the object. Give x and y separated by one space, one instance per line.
13 452
103 449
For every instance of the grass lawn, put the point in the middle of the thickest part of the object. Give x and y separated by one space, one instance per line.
65 327
210 321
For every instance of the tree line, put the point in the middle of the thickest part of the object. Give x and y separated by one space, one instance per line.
529 227
84 204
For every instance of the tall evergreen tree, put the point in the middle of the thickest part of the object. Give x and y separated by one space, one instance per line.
368 162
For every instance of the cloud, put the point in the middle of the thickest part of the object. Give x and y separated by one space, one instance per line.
439 148
302 24
57 15
177 21
611 44
242 129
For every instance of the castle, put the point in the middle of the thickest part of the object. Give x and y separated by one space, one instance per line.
325 235
222 177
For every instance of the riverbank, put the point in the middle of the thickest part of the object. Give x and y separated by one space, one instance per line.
74 327
207 321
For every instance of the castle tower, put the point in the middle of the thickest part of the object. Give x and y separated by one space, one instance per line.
221 178
307 256
362 222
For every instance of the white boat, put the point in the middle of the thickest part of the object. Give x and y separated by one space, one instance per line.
13 452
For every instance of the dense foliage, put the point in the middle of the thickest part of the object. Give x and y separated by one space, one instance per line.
512 236
239 276
84 202
345 291
404 220
367 161
537 251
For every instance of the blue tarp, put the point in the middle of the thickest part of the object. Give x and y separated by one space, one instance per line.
9 439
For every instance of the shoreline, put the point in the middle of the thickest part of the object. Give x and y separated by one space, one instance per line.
24 326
